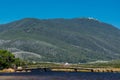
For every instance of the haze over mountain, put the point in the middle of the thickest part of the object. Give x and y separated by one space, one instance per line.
61 40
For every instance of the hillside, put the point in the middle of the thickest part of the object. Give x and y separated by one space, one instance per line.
61 40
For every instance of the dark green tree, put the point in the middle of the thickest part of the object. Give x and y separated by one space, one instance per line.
6 59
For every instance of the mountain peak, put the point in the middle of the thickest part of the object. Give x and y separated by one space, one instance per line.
30 19
91 18
87 18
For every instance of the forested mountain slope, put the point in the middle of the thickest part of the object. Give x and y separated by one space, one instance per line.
61 40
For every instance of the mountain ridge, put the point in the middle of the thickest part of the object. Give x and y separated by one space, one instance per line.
62 40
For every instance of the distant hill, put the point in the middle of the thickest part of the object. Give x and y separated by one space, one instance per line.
61 40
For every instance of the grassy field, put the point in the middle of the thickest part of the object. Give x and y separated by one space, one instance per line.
110 64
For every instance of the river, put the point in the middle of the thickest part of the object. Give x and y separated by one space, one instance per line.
60 76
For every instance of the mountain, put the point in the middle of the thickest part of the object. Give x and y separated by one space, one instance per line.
61 40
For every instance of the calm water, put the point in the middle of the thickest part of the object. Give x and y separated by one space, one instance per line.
59 76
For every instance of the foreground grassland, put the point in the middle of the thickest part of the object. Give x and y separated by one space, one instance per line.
111 64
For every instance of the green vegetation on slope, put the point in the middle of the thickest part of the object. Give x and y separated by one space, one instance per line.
61 40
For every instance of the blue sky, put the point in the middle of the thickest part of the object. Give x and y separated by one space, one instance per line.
103 10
